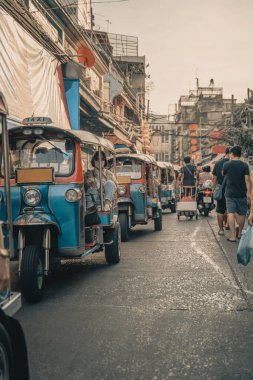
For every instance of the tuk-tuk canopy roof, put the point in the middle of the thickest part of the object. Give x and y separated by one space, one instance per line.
177 167
141 157
164 165
77 135
90 138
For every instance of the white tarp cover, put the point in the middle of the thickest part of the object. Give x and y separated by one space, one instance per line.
30 77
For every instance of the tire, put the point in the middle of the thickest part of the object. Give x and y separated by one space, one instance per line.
196 217
173 209
178 216
112 251
123 221
159 221
6 355
32 274
206 212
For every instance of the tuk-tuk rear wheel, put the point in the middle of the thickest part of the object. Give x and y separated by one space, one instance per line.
173 208
123 221
112 251
32 273
158 221
6 356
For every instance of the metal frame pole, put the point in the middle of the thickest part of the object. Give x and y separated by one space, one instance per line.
100 175
6 162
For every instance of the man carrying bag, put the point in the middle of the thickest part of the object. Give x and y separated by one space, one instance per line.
219 182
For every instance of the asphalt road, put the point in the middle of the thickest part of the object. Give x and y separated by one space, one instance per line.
177 306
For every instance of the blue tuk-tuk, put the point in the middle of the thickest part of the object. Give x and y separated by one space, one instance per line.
48 199
168 186
138 192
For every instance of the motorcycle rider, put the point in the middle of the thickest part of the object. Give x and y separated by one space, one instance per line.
205 175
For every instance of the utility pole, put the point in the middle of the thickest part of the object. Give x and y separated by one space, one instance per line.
200 137
232 111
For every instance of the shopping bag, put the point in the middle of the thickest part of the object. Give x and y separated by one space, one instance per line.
245 247
217 194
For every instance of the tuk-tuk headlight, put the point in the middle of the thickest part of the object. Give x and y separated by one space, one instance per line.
73 195
142 189
32 197
121 190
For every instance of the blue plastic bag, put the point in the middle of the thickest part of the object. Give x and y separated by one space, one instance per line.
245 246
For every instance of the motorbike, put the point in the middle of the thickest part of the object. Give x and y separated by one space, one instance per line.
205 201
48 200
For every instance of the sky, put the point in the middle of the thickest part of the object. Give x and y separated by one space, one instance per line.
182 39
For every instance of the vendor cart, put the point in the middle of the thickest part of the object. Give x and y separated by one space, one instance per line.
187 205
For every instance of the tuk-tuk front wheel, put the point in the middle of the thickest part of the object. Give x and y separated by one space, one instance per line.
6 355
32 273
112 251
123 221
158 221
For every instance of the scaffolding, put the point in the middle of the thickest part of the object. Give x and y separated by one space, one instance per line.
123 45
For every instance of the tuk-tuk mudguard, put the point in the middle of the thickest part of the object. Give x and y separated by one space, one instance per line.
124 203
36 219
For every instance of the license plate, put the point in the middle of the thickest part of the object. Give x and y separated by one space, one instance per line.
207 199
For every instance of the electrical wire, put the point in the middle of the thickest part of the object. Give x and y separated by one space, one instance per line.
81 2
16 12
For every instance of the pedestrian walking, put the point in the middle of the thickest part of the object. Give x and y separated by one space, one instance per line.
221 204
237 191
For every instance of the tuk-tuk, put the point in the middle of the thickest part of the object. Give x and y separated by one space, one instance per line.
13 352
48 168
168 186
138 192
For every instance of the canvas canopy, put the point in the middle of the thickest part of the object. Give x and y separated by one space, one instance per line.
30 77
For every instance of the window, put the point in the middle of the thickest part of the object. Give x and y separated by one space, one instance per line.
43 153
128 167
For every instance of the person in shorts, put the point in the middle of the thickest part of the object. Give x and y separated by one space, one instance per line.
237 191
218 179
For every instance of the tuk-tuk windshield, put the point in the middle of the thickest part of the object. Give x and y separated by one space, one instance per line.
39 153
128 167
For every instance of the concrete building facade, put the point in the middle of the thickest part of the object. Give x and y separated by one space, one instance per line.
201 119
163 141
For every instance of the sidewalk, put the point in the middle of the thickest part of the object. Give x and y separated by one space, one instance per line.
244 274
